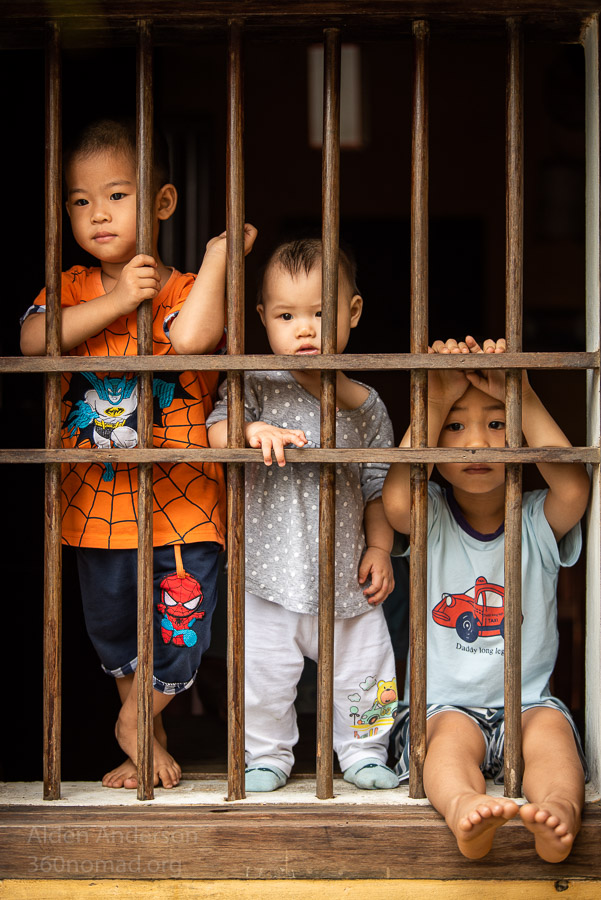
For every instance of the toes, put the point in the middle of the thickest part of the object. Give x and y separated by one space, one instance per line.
481 812
165 778
114 780
169 776
528 812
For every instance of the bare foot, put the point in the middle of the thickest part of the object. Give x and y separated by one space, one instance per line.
166 770
117 777
554 826
475 820
126 774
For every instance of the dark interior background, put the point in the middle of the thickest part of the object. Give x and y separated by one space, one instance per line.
283 197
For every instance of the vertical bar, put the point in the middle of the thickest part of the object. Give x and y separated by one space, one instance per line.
330 204
144 115
593 340
52 509
235 401
418 571
513 399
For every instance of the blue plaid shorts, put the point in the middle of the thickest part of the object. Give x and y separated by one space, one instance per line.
182 609
490 721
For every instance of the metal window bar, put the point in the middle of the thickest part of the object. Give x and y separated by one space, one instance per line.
419 411
235 426
144 228
327 471
514 224
52 507
569 360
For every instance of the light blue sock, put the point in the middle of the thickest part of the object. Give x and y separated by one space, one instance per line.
371 774
264 778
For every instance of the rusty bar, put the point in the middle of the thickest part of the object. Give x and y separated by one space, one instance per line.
144 226
372 362
52 506
428 455
330 206
514 223
235 402
418 573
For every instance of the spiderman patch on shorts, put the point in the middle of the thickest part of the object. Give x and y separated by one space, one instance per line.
181 595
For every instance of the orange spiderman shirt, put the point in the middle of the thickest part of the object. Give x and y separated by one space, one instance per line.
100 410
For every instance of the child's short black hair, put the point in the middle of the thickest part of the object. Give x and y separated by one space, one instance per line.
302 256
120 135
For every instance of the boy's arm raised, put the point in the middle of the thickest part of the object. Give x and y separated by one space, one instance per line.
568 483
139 280
198 327
444 388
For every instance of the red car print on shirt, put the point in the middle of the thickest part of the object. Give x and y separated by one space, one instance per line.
480 612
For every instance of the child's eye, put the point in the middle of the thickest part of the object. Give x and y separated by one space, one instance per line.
318 314
118 195
454 426
286 317
497 425
80 202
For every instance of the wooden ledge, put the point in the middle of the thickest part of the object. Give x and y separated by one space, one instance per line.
248 840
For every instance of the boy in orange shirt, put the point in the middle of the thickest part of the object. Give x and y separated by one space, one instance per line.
99 307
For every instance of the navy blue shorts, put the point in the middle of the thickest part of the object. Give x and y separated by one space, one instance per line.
182 609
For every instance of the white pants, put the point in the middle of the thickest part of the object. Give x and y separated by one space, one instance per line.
364 683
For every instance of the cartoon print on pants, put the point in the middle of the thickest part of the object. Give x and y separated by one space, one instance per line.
181 596
381 712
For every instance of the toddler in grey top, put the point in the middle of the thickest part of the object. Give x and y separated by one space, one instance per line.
282 529
282 535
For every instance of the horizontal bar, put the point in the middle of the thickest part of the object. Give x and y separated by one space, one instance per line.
186 23
305 10
364 455
370 362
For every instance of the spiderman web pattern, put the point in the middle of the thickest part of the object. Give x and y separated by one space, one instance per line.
100 410
102 511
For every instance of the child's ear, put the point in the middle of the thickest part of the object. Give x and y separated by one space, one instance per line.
166 201
356 307
261 311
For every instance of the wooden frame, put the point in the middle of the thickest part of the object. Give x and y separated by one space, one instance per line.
300 828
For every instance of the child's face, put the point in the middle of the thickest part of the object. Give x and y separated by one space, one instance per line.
291 312
476 420
101 202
